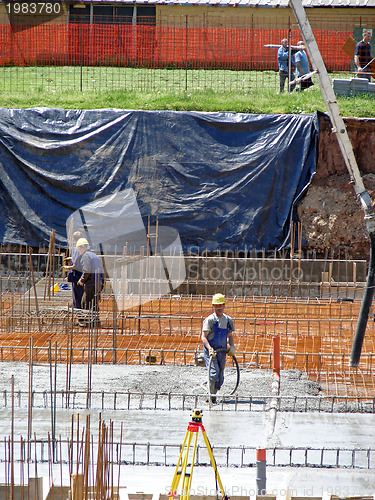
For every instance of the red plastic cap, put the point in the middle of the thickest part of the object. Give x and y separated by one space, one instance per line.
261 454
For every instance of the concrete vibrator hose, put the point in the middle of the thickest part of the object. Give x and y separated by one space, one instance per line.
237 372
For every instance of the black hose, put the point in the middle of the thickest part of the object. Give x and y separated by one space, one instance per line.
235 364
365 307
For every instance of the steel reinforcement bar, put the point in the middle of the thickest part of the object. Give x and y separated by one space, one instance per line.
186 357
123 401
166 455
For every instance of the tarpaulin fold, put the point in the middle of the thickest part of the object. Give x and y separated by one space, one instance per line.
221 180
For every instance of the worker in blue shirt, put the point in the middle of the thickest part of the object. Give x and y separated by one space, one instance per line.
303 67
92 279
283 62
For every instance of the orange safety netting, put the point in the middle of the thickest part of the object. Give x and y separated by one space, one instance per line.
158 47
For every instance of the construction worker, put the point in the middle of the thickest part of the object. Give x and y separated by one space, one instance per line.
283 63
302 66
75 273
217 332
92 279
362 56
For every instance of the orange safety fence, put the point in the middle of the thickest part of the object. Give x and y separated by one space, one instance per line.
158 47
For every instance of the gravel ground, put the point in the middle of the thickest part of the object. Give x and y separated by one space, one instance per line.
192 380
144 382
151 379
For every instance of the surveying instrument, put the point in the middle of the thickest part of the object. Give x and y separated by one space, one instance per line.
184 470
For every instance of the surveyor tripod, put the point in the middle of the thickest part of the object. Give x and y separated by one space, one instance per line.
184 470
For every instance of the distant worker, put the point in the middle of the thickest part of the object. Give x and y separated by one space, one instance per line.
75 272
217 332
302 65
92 279
283 63
362 56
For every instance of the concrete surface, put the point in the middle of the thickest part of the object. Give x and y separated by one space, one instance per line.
280 482
247 429
224 429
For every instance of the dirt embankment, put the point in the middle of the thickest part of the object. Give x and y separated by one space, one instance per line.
331 214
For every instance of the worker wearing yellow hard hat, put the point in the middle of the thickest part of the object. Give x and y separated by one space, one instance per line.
218 298
217 333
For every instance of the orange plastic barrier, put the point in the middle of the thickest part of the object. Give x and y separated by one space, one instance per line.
155 47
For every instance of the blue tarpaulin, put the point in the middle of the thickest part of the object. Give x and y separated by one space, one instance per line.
221 180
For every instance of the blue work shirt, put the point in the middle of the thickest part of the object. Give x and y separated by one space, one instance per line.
301 58
283 58
92 269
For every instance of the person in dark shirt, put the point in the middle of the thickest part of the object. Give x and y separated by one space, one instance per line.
362 56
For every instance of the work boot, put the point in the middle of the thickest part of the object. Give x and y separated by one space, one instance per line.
213 391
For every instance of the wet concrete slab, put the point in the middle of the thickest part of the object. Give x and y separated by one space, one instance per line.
142 426
224 429
340 430
281 482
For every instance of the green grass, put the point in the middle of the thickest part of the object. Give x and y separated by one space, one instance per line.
164 89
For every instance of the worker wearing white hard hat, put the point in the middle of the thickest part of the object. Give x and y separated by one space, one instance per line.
92 280
82 242
217 333
75 271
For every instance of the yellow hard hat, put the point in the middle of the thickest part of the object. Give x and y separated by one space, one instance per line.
218 298
81 242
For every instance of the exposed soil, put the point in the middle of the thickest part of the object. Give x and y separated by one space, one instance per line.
331 215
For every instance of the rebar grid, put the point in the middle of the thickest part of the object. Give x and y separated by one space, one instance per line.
315 334
123 452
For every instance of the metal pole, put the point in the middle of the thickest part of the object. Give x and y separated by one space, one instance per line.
289 57
364 67
12 491
30 401
261 471
276 355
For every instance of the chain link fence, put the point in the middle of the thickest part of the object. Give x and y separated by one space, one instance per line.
178 55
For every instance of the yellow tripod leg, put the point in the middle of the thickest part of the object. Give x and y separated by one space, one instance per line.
213 462
179 471
187 477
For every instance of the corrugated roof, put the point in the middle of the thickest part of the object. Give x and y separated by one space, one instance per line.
247 3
